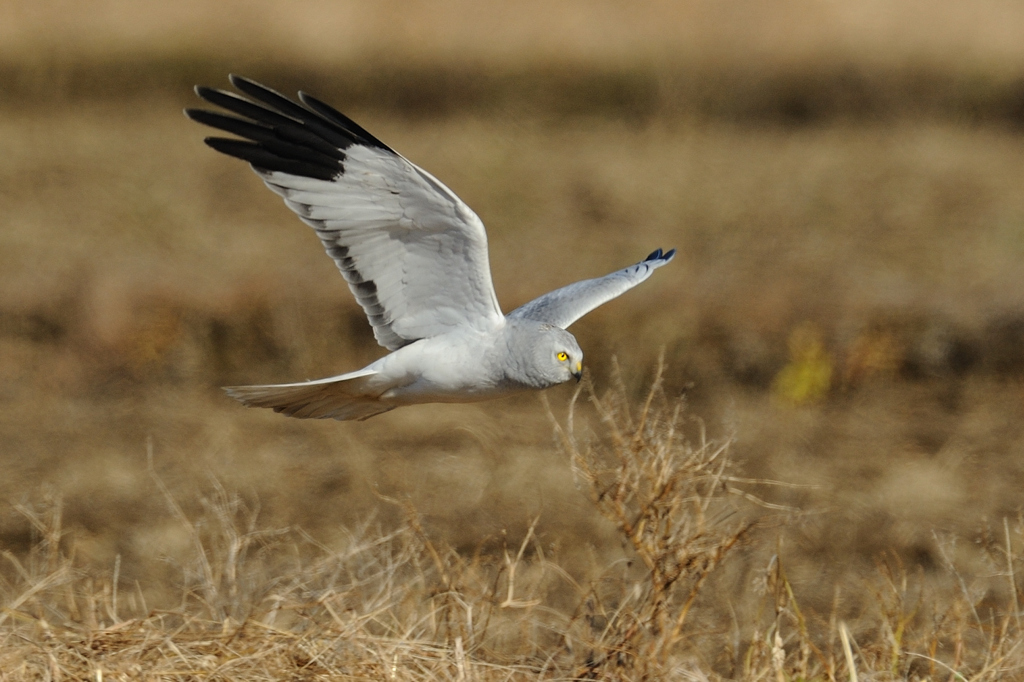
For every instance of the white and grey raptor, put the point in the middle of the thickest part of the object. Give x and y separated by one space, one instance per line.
415 257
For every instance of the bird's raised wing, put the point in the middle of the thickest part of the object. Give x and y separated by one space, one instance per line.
564 306
413 254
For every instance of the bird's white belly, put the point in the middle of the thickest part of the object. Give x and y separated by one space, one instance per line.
449 368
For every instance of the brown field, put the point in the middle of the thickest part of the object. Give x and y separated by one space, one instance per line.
825 481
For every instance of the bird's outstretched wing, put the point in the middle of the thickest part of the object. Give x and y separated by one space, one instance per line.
413 254
564 306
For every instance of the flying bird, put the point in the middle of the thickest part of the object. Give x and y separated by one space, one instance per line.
414 256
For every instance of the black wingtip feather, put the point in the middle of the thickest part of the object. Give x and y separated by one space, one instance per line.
307 139
285 142
264 159
658 255
332 114
340 135
230 124
234 78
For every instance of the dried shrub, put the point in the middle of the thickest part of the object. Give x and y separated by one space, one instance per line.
671 501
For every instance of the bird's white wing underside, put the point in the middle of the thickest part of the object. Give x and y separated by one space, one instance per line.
414 255
412 252
564 306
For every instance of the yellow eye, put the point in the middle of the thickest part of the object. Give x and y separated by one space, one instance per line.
562 356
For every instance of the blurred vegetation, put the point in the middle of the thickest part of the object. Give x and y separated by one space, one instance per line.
813 93
843 183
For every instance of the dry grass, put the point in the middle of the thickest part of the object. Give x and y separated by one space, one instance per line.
259 604
262 604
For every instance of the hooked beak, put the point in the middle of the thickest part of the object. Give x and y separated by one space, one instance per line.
579 372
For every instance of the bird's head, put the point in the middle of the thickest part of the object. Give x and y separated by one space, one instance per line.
558 356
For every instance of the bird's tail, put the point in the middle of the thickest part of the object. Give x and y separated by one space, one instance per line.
342 397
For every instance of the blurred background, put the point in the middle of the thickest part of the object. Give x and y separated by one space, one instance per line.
844 183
